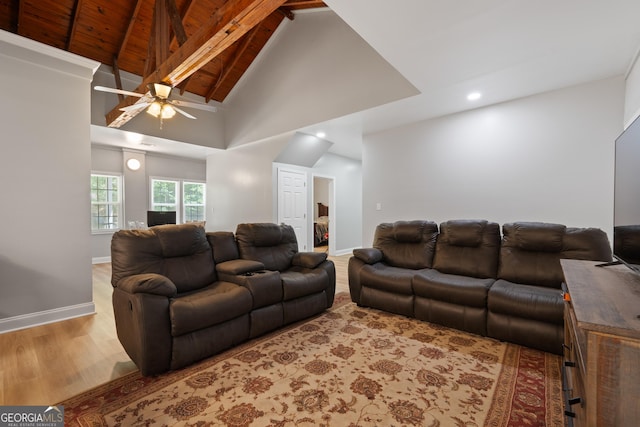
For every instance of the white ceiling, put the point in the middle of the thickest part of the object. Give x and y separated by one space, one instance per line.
505 49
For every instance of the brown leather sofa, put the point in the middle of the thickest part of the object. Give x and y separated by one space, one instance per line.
181 294
468 277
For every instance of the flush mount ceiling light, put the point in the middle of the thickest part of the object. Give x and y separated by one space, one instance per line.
133 164
474 96
321 134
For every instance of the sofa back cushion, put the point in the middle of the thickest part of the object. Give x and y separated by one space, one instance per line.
626 242
531 252
224 246
468 248
586 243
407 244
179 252
271 244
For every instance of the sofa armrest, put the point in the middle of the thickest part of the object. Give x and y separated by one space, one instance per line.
239 267
150 283
308 259
368 255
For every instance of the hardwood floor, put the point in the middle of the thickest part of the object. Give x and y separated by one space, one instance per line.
46 364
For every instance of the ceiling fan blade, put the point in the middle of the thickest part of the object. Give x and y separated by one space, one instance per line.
119 91
194 105
184 113
135 107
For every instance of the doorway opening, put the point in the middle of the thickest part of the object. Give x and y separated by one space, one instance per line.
323 214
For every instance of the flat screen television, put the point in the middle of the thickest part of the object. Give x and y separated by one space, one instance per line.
626 211
160 218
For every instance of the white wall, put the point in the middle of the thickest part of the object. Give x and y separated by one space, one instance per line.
45 263
547 158
316 68
347 183
137 184
240 185
632 92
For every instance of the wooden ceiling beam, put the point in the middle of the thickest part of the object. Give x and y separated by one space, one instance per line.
14 11
116 73
127 34
176 22
162 32
20 17
288 13
232 63
304 4
150 60
73 25
228 24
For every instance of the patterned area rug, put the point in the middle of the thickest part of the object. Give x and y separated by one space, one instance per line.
350 366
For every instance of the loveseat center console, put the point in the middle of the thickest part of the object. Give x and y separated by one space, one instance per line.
602 345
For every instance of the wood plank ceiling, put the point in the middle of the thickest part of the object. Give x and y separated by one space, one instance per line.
199 46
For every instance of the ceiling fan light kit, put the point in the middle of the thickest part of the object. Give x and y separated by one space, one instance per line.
161 91
161 106
161 109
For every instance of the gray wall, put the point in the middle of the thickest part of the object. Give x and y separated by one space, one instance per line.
45 263
242 187
347 183
291 85
137 184
239 184
547 157
632 92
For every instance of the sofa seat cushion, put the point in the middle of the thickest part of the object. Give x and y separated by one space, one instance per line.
299 282
209 306
526 301
387 278
451 288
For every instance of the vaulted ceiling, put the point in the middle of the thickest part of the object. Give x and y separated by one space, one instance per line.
199 46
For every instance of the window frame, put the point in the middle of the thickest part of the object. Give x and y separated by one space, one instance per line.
204 199
119 204
180 204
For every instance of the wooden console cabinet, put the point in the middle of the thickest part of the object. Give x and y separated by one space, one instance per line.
602 345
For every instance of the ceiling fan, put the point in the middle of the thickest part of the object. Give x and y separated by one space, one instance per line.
160 105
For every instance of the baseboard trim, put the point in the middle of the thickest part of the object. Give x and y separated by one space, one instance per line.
44 317
344 251
100 260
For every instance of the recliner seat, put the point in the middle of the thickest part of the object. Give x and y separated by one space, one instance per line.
308 279
181 294
468 277
525 303
382 276
454 292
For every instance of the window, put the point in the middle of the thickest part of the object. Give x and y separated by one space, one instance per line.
164 195
193 197
106 198
187 198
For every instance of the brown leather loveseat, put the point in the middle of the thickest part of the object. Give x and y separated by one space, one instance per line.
181 294
466 276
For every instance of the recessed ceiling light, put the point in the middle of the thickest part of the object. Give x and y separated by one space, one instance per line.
321 134
473 96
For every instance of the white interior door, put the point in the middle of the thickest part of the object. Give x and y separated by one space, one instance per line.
292 203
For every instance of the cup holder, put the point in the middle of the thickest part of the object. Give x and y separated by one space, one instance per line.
253 273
